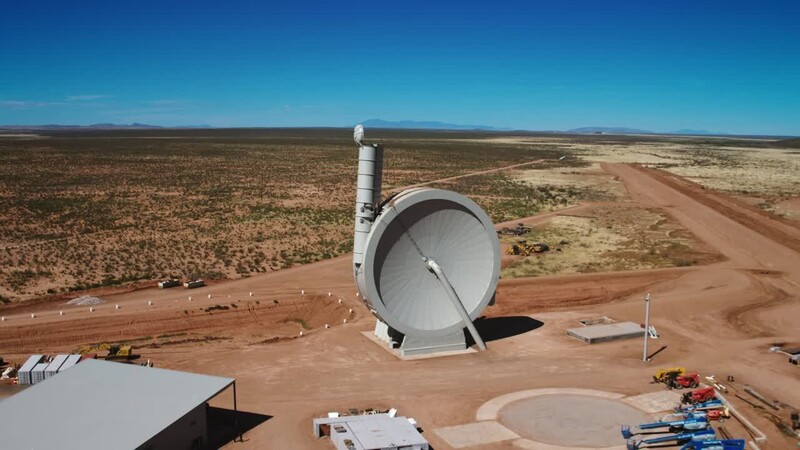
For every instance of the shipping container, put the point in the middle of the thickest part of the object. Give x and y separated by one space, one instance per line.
24 372
52 369
71 361
37 374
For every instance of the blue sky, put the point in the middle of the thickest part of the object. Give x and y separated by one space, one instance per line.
725 66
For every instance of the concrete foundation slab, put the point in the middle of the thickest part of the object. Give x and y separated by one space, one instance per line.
491 409
399 355
608 332
479 433
574 421
530 445
655 401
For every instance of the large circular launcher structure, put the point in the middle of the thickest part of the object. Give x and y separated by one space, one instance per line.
426 261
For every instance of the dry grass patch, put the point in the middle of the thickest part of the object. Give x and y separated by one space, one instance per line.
87 210
593 181
614 238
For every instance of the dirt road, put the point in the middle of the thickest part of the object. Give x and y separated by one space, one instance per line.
471 174
717 319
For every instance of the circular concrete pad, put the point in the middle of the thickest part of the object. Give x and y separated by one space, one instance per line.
571 420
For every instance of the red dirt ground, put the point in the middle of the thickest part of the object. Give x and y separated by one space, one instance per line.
717 319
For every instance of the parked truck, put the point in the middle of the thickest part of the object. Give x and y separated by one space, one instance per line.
194 284
164 284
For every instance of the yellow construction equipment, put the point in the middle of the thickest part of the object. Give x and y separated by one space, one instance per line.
666 374
115 351
93 348
525 249
121 352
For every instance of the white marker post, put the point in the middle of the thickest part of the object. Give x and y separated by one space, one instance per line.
646 324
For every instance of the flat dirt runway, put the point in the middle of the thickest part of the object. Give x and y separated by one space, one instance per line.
717 319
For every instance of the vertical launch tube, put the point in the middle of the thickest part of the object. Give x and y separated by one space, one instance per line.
368 195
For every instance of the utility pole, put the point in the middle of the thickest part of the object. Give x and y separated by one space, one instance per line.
646 324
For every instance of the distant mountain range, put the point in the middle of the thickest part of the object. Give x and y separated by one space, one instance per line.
96 126
433 125
426 125
610 130
379 123
623 130
694 132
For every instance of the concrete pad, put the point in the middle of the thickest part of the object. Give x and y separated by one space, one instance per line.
655 401
490 410
609 332
396 351
531 445
473 434
573 421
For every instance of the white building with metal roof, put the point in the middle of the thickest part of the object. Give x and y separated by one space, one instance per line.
371 432
99 405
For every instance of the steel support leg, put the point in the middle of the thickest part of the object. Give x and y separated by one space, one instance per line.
451 293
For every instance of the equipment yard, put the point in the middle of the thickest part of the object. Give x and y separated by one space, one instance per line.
723 271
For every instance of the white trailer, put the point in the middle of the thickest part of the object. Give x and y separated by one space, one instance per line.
37 374
71 361
169 283
194 284
56 364
24 372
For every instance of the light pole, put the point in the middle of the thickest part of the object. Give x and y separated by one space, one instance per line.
646 324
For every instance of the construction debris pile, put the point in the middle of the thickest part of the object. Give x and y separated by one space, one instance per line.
86 300
522 247
519 230
525 249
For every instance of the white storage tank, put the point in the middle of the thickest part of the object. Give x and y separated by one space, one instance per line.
37 374
56 364
24 372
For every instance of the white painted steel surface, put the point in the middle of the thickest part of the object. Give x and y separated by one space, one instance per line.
419 224
37 374
56 364
71 361
368 195
24 372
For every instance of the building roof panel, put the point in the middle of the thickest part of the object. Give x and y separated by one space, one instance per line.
121 403
32 361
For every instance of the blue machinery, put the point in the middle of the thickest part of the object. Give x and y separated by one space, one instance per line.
691 437
690 424
716 444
